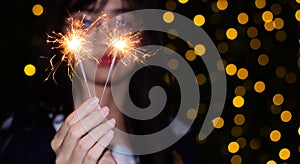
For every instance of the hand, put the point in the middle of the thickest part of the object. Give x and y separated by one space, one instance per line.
84 135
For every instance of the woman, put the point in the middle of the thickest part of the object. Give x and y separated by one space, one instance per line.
51 130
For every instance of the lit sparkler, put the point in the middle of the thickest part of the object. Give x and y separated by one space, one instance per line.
74 47
124 45
121 42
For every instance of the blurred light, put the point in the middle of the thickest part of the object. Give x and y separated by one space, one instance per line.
255 144
201 79
239 119
280 35
190 55
271 162
214 7
222 47
280 72
276 8
191 114
286 116
37 10
297 15
269 26
169 48
183 1
259 86
169 78
236 159
218 122
299 131
252 32
236 131
173 64
238 101
275 135
202 108
284 154
260 3
242 18
291 77
240 91
231 69
222 4
221 64
171 5
263 59
29 70
172 34
267 16
278 23
168 17
199 49
231 33
199 20
275 109
278 99
255 44
233 147
242 73
242 142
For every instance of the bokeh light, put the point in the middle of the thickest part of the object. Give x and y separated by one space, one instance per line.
199 49
275 135
231 33
37 10
218 122
284 154
238 101
259 86
168 17
233 147
278 99
231 69
243 18
199 20
260 3
29 70
286 116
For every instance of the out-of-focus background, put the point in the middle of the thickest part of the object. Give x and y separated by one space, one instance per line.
258 41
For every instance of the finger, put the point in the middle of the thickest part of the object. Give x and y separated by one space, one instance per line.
91 139
73 118
81 128
95 152
107 158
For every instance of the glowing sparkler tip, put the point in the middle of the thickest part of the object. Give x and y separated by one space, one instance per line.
119 44
74 43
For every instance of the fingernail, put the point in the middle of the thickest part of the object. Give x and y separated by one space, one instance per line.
111 122
104 111
93 100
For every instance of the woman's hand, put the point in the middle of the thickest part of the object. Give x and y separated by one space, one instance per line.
84 135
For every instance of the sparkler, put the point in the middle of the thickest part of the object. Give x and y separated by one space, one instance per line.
122 43
74 47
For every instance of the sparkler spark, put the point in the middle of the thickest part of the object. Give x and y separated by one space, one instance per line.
124 45
74 47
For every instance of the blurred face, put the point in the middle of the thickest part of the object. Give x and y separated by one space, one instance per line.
100 49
